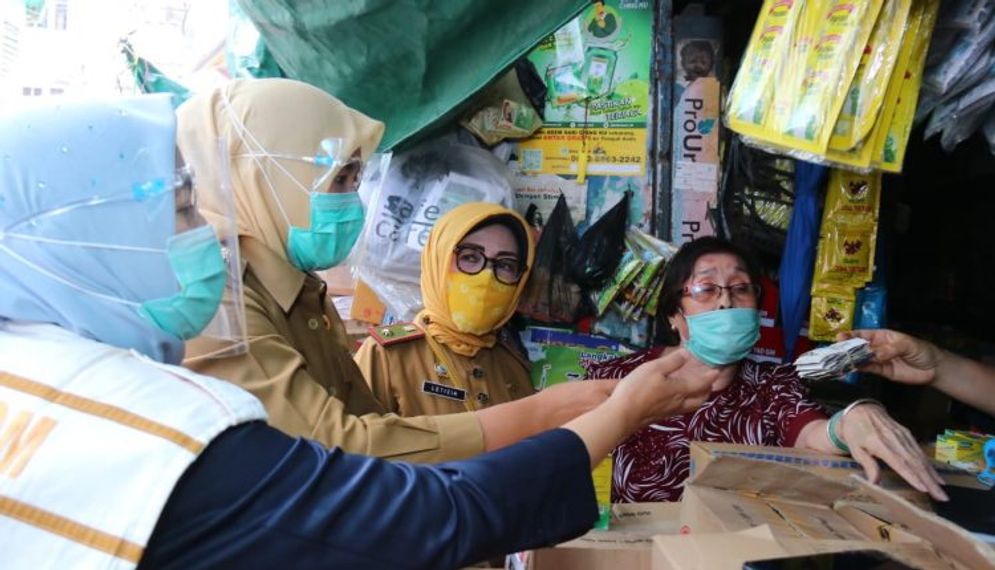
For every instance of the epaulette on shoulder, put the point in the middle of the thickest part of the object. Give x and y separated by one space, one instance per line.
397 333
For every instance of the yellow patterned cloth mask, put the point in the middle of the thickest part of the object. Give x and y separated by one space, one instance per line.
478 303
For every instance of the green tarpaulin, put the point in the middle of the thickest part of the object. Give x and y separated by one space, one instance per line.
409 63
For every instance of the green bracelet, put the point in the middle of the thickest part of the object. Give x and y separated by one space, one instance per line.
831 432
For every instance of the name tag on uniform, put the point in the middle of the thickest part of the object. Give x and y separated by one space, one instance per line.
443 391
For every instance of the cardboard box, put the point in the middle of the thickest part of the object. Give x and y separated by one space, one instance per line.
804 509
628 544
720 551
366 306
835 467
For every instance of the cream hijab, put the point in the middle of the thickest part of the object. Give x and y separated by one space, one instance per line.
267 116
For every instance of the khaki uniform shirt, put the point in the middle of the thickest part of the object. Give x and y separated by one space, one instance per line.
408 378
299 365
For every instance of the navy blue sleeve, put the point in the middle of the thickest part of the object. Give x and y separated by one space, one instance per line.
257 498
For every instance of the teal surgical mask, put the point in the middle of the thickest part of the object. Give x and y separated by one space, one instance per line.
336 222
196 259
723 336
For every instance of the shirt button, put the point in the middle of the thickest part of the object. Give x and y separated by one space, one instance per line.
313 324
477 372
483 398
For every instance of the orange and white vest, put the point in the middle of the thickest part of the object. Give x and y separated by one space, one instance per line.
93 439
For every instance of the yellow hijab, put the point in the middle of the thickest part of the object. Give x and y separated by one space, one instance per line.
436 260
279 116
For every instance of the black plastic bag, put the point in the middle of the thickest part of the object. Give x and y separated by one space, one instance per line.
596 256
551 296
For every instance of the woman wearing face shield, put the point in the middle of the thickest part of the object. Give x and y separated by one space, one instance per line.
113 456
293 218
456 357
710 299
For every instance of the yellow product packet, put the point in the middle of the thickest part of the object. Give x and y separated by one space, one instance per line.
753 89
864 100
852 198
843 31
889 151
832 312
963 449
785 95
847 254
863 156
602 476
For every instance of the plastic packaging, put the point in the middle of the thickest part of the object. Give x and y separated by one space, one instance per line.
964 53
403 204
503 111
972 110
832 312
753 89
550 295
872 303
867 92
853 198
598 251
816 95
969 14
846 255
819 47
904 96
642 296
627 270
846 252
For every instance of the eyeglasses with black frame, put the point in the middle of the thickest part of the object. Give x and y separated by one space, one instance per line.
709 292
470 259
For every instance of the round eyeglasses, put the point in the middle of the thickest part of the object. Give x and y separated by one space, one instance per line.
709 292
471 260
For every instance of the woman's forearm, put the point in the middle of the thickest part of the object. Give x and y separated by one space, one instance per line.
966 380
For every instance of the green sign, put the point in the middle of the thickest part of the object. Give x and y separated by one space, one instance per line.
597 67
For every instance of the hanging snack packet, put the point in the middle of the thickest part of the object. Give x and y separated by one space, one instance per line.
655 253
818 92
852 198
628 269
847 255
863 102
832 312
864 155
632 304
753 90
890 147
654 301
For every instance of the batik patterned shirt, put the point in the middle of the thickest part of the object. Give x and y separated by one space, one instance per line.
765 404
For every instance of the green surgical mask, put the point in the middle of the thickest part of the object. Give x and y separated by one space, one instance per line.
336 222
196 259
723 336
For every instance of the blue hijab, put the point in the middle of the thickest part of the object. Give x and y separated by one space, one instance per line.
97 173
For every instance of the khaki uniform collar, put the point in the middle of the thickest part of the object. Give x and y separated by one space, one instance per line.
281 279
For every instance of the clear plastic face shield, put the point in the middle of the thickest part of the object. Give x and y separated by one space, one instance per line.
334 172
167 263
369 187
